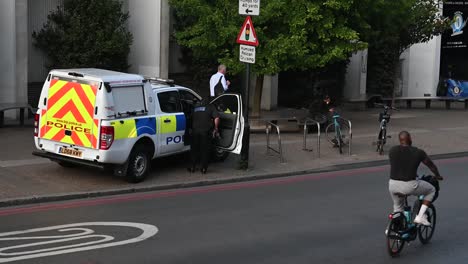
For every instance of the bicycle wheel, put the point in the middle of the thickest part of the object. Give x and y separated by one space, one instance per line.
379 141
330 133
394 242
340 141
383 135
425 232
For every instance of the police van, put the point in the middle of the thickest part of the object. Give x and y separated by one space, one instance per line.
122 121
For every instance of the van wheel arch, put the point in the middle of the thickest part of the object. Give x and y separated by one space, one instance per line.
148 144
139 160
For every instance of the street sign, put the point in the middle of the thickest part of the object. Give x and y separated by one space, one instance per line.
247 54
247 35
249 7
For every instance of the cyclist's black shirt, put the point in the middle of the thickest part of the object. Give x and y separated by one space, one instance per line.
404 162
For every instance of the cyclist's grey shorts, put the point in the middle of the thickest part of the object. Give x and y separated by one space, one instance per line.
416 187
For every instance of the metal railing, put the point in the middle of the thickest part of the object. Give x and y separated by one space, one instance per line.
350 134
268 125
308 122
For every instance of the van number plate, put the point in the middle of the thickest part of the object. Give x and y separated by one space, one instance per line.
70 152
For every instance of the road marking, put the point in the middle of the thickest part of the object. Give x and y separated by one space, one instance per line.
98 242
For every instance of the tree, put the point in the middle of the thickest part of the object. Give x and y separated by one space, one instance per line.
86 33
293 35
395 26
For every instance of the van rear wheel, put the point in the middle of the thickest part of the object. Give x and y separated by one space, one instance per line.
139 164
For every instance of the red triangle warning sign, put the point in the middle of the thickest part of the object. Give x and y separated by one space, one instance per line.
247 35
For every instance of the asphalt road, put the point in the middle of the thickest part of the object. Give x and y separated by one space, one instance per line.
336 217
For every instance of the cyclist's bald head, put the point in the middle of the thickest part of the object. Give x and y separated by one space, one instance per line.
405 138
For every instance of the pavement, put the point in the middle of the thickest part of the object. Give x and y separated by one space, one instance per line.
27 179
333 217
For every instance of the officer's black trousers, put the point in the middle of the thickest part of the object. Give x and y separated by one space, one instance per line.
200 149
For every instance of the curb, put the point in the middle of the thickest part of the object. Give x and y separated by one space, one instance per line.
183 185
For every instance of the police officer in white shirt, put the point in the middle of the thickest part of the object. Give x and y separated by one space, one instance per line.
218 82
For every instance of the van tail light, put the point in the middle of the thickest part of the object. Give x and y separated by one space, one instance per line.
36 125
107 137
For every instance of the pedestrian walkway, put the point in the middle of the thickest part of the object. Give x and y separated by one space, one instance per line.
22 175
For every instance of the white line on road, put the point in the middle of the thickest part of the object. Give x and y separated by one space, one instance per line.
84 233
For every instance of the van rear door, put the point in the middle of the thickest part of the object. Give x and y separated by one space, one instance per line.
69 116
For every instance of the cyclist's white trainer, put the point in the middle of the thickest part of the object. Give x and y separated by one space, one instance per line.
422 220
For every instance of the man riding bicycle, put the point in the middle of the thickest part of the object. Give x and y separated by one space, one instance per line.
404 163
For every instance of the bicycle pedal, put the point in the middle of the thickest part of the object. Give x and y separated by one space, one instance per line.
389 136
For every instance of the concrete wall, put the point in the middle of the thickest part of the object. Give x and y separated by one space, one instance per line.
149 24
7 51
356 76
21 37
13 52
423 62
37 17
270 93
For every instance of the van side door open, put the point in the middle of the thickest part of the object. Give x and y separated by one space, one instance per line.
231 127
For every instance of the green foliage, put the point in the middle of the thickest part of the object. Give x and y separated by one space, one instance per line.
86 33
394 26
293 35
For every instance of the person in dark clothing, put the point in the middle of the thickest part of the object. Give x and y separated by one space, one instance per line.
205 122
327 105
404 163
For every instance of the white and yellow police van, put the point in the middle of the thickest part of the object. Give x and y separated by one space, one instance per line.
122 121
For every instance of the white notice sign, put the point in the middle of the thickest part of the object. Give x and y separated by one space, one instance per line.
249 7
247 54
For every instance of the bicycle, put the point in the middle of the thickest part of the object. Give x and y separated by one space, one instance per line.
336 131
384 119
401 229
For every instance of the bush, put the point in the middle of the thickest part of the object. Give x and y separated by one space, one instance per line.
86 33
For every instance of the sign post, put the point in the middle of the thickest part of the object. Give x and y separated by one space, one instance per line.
247 37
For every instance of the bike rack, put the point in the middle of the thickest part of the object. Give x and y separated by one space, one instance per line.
350 134
279 151
308 122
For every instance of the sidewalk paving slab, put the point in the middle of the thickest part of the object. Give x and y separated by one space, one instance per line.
26 179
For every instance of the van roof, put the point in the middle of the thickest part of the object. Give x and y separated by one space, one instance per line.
104 75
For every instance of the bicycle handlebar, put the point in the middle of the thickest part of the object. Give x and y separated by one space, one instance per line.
386 106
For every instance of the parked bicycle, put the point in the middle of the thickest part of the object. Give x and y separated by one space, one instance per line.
401 229
384 119
337 131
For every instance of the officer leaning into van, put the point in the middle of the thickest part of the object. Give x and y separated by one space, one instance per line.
205 121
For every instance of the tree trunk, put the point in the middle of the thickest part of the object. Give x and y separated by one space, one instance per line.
258 96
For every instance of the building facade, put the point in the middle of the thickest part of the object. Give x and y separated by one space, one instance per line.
436 68
23 67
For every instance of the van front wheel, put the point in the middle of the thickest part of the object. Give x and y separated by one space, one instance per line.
139 164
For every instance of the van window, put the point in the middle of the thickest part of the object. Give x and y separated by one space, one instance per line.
188 96
169 102
129 99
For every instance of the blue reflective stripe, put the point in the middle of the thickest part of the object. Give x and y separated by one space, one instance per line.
180 122
146 126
